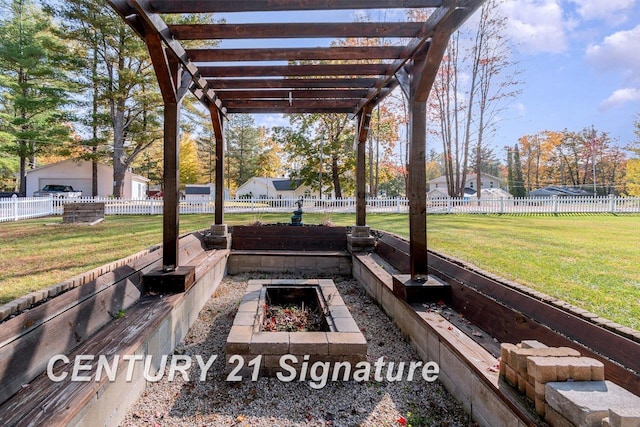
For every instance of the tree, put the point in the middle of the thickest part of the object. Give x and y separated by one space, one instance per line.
518 182
319 151
489 164
587 159
243 149
633 177
269 162
477 78
190 168
36 85
384 135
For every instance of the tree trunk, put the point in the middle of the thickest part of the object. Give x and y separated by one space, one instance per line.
336 177
23 172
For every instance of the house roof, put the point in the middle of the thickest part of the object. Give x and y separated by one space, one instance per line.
554 190
287 184
197 190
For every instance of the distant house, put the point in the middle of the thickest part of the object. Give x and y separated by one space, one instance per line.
78 174
560 191
202 192
487 182
274 188
495 193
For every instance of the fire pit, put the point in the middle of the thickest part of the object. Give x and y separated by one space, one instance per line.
303 318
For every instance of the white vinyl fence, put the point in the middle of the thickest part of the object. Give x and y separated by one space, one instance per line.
17 208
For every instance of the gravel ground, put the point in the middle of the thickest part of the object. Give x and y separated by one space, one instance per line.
271 402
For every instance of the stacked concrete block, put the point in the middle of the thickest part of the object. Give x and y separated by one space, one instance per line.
530 365
591 404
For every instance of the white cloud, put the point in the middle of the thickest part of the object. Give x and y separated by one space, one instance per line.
520 108
271 120
621 97
537 25
612 11
618 52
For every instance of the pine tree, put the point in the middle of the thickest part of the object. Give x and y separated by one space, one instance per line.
519 190
35 85
242 149
510 174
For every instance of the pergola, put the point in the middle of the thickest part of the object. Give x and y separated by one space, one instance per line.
349 80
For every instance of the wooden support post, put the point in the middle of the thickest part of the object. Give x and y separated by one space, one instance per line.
418 191
361 201
360 239
218 130
218 236
364 119
171 217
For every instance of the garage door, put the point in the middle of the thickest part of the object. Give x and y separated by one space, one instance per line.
78 184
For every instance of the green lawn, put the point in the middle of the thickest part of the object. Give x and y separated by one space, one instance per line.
588 260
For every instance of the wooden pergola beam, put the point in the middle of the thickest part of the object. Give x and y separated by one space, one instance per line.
310 83
294 70
285 94
296 54
281 109
296 30
225 6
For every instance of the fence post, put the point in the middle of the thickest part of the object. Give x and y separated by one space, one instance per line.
502 205
612 203
554 198
15 208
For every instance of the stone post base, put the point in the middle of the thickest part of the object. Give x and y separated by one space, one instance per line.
218 237
360 239
163 282
431 290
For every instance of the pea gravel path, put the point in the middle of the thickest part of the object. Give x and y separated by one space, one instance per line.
271 402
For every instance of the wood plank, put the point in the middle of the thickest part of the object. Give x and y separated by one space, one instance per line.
296 54
294 70
296 94
290 110
395 251
25 358
220 6
297 30
284 237
47 403
358 82
275 104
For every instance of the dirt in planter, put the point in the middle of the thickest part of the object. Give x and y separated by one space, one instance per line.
291 318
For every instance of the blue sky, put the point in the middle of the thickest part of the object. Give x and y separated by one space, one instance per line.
580 62
581 66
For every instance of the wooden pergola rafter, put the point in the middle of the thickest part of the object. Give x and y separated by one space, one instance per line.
277 79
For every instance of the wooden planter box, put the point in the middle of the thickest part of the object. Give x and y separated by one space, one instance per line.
288 238
83 213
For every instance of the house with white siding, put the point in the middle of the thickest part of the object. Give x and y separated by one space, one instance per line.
439 185
274 188
78 174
